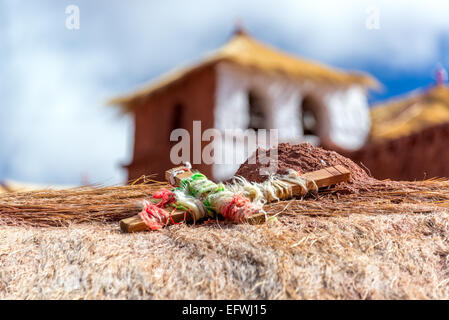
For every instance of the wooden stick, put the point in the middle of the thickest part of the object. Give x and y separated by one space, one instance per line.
136 224
178 177
322 178
328 176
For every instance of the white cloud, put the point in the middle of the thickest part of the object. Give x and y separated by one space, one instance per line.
54 126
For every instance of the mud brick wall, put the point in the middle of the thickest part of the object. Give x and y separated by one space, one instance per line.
177 106
422 155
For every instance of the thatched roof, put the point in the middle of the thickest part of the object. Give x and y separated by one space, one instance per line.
415 112
245 51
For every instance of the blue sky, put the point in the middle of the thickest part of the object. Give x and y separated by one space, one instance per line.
54 126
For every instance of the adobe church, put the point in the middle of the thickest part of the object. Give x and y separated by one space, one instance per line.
246 84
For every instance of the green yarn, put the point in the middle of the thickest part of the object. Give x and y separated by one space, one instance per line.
186 184
179 207
197 176
220 187
198 186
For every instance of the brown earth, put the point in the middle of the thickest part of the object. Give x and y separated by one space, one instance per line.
305 158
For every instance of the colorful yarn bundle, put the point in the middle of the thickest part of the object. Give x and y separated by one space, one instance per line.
198 185
238 209
217 199
190 204
233 207
200 197
167 197
154 215
275 188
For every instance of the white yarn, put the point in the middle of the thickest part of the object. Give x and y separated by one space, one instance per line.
217 199
188 165
307 185
275 188
248 189
197 208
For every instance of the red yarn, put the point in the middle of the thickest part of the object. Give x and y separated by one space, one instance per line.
238 209
153 216
167 197
174 210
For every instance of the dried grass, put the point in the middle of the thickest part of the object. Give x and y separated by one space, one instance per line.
389 242
61 207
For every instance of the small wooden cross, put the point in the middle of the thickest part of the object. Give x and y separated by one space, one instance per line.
322 178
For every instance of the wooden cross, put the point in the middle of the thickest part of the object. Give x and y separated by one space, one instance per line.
322 178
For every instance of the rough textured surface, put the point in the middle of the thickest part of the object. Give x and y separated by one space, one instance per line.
300 257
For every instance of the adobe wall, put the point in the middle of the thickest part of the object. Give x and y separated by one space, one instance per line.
349 116
279 98
422 155
154 120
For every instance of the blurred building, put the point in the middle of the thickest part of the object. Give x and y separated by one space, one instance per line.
8 186
409 137
247 85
